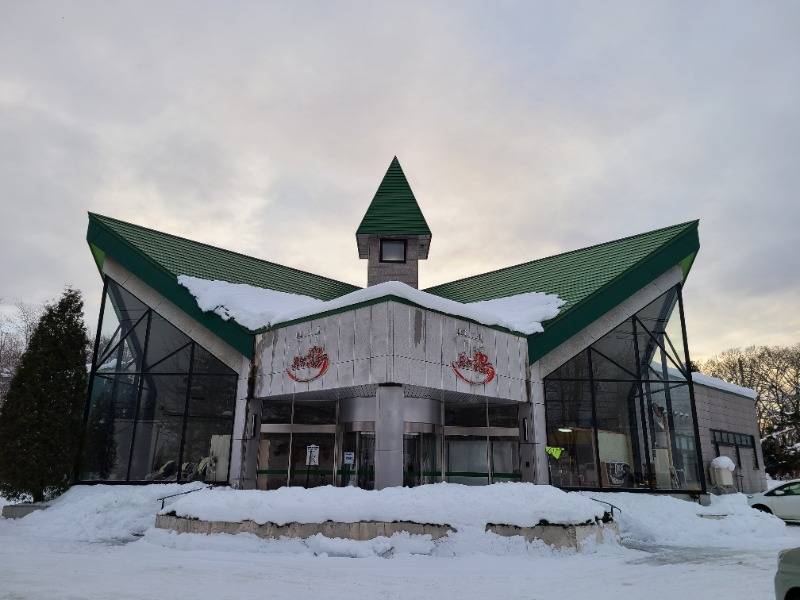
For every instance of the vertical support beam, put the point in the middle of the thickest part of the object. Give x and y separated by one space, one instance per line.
688 362
88 404
538 425
244 445
389 436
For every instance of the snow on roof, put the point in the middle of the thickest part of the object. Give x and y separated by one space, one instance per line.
708 381
720 384
257 308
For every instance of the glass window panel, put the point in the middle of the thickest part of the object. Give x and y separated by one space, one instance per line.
205 362
173 364
605 369
655 315
164 340
276 412
273 461
620 444
504 415
420 459
159 428
466 460
121 311
309 475
570 434
126 357
109 428
465 414
505 459
310 412
360 473
614 355
197 445
576 368
212 396
393 251
675 458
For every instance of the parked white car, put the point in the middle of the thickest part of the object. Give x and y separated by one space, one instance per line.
782 501
787 579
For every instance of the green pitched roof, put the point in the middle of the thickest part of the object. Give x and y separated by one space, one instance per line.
394 209
158 258
591 280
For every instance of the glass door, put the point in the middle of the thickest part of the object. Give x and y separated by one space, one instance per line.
357 457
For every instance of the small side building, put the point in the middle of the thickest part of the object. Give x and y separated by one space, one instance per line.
728 424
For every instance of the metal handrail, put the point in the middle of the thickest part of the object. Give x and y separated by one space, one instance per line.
613 506
180 494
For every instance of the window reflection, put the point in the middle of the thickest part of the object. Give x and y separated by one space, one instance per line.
158 402
619 414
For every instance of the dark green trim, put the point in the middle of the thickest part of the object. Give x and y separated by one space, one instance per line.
166 284
99 257
557 331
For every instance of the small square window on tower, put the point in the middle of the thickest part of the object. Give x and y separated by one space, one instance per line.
393 251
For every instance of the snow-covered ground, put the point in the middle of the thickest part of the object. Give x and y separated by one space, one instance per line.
98 542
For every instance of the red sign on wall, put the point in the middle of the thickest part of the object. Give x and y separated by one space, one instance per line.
475 370
310 366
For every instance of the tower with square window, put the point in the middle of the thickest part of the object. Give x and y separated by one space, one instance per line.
393 235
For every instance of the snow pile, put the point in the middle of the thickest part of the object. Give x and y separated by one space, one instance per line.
256 308
100 512
723 462
521 504
668 521
249 306
721 384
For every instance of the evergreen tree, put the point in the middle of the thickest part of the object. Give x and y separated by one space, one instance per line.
40 421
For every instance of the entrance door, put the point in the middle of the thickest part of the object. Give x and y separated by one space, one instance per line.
421 451
357 459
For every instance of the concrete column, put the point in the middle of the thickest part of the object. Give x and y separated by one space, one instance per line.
539 427
389 436
242 477
527 449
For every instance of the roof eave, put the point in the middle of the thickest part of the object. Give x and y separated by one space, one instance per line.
677 251
165 283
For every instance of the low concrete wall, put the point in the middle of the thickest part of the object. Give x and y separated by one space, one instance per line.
361 530
560 536
17 511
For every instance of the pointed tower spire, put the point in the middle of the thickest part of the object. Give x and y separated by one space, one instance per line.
393 234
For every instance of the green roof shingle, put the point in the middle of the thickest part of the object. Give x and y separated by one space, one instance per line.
394 209
591 280
158 258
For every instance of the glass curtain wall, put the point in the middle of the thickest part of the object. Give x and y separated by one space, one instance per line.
157 400
481 442
298 444
620 415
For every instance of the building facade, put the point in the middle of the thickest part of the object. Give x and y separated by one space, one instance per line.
390 385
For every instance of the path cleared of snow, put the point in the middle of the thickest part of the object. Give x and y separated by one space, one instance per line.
98 542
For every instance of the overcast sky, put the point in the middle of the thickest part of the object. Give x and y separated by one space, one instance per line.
525 129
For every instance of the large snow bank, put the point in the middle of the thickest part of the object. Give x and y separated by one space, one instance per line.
100 512
668 521
256 308
521 504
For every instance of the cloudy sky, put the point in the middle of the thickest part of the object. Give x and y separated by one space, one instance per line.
525 129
